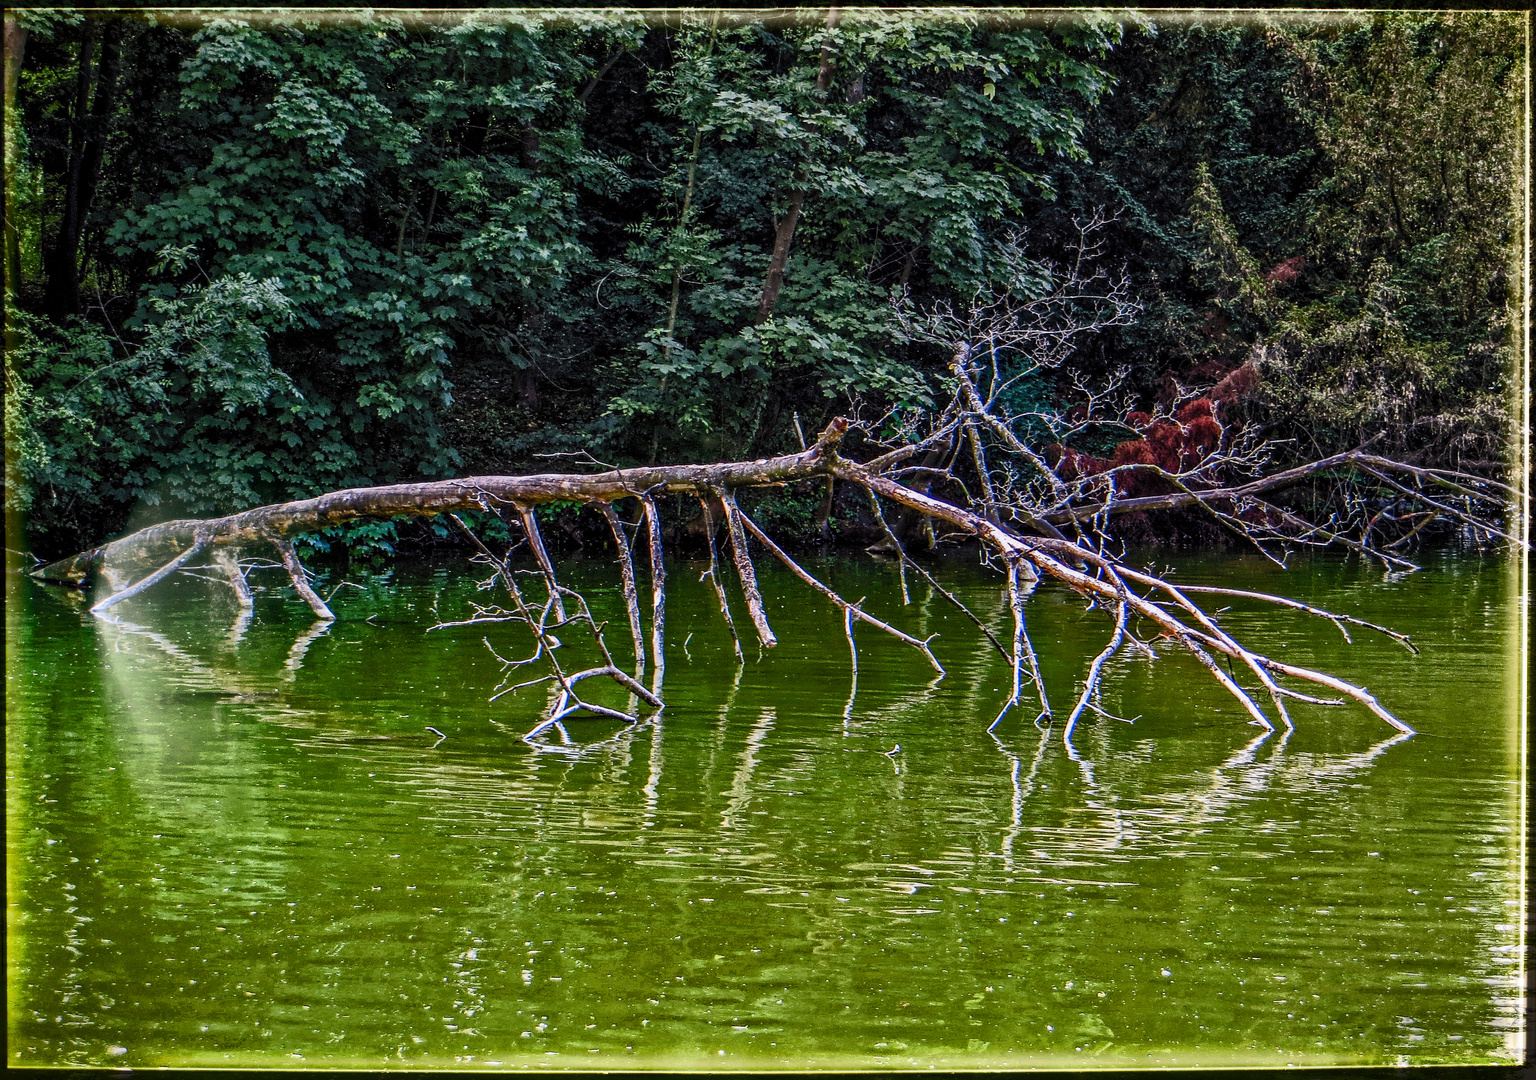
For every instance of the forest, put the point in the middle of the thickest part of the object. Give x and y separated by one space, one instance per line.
822 539
255 259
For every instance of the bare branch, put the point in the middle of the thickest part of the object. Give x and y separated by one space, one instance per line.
852 609
1451 511
745 570
631 593
300 578
714 569
907 560
229 562
658 592
541 556
158 575
1337 620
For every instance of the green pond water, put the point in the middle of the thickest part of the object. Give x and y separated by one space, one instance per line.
240 846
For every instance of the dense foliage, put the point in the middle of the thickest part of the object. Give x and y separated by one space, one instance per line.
256 259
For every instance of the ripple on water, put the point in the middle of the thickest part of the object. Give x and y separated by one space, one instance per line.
234 852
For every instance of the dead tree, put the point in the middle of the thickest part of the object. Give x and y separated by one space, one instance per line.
979 472
1024 535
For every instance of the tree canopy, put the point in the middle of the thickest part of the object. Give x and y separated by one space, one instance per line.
250 259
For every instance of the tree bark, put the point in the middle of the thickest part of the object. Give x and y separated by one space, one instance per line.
253 528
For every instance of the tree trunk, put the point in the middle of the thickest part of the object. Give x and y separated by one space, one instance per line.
153 554
87 149
137 562
159 543
785 233
103 104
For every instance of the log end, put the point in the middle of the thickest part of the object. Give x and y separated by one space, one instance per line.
828 442
74 572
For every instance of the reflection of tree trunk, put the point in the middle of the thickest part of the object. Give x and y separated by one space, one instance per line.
87 148
15 51
786 227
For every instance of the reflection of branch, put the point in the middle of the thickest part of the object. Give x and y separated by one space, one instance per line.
741 781
1095 673
301 646
652 787
189 662
1023 649
1022 789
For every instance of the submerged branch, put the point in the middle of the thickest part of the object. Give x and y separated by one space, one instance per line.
153 578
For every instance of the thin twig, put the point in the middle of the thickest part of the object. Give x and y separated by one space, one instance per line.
714 572
1466 519
1337 620
907 560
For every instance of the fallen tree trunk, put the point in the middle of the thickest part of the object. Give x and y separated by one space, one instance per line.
1018 504
265 525
136 562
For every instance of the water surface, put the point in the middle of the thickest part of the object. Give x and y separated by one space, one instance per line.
244 847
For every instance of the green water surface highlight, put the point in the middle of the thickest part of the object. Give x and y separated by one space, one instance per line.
240 845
